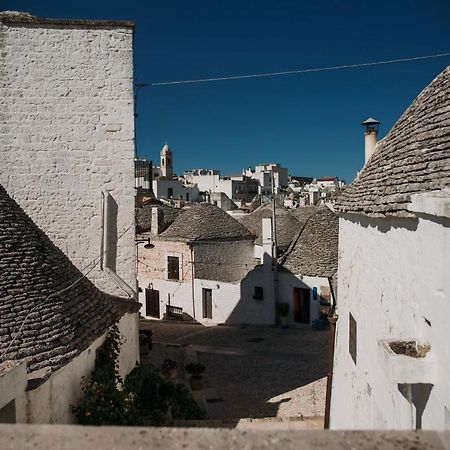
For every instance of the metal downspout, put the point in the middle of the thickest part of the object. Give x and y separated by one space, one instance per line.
192 279
332 319
275 252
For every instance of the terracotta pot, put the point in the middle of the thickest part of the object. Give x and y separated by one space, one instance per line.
196 382
171 374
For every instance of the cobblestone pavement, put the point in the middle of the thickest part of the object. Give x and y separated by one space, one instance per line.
255 372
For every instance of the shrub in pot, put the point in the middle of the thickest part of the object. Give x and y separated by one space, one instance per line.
169 369
283 311
196 379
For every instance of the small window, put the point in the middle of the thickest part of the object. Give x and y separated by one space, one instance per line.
173 268
352 337
259 293
170 192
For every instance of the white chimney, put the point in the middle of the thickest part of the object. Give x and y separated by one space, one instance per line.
267 242
371 137
155 228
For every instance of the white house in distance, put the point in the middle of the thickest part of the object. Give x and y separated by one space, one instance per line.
392 357
196 265
203 264
239 188
264 172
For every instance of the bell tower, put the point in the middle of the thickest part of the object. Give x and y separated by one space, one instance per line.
166 162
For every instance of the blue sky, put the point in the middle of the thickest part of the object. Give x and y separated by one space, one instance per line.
309 123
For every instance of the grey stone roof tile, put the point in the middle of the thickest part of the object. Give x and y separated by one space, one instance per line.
287 226
414 157
205 222
31 268
144 216
315 250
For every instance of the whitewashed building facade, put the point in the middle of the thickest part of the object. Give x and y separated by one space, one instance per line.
67 150
392 358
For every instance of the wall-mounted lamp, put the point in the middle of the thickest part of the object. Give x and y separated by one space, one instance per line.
147 245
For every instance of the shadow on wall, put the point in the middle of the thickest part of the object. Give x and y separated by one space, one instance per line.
256 304
384 224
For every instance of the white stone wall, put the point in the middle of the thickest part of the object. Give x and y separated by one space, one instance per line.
227 268
66 118
206 183
227 261
232 303
394 280
50 402
287 283
161 190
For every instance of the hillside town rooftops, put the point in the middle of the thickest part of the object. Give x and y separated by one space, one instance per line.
20 17
52 328
413 158
205 222
315 251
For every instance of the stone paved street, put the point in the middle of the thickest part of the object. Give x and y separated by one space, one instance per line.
255 372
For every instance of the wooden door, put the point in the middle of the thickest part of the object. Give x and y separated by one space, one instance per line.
152 303
301 303
207 303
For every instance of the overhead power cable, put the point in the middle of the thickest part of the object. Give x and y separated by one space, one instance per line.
292 72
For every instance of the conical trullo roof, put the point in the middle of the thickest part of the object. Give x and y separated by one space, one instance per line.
206 222
287 224
315 251
414 157
32 268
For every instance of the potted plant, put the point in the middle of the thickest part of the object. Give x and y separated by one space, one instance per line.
169 369
196 379
283 311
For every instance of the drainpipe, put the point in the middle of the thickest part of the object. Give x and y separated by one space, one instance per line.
274 252
192 278
332 319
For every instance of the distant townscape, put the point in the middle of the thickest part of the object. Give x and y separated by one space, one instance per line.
132 296
243 191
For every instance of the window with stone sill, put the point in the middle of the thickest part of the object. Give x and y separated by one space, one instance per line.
173 268
259 293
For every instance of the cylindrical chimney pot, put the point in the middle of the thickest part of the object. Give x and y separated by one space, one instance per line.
370 136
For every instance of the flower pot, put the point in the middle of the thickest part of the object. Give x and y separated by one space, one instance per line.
196 382
170 374
283 321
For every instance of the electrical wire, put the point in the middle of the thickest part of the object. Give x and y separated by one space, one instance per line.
293 72
62 291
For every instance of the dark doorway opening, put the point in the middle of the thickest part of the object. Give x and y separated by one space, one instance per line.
207 303
152 303
302 305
